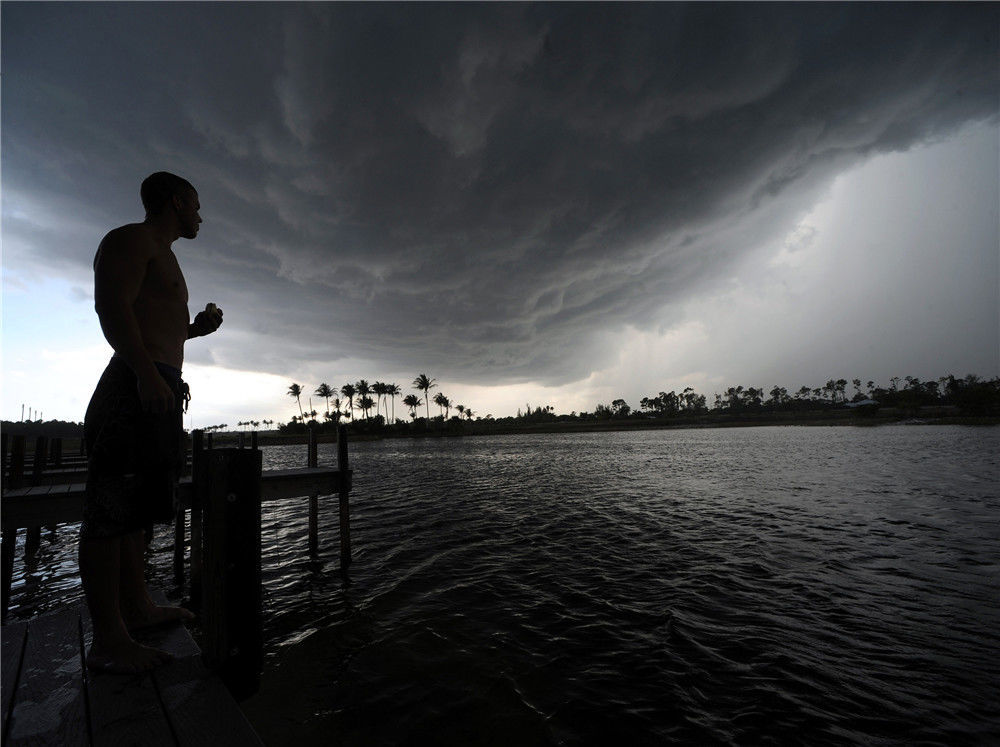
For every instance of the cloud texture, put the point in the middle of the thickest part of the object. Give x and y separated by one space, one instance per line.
491 192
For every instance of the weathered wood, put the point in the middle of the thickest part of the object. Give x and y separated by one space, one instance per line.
11 655
64 503
344 489
15 467
253 441
9 540
49 703
232 604
56 452
136 694
15 478
241 440
199 708
125 709
178 551
198 464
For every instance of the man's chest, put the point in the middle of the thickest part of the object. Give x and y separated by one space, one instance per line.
164 279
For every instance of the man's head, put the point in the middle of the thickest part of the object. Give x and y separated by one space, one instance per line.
162 192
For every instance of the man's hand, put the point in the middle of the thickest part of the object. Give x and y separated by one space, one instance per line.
154 394
207 321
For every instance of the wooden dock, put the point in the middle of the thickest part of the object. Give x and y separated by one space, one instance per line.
48 695
50 698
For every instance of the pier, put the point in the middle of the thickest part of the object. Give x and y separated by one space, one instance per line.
190 701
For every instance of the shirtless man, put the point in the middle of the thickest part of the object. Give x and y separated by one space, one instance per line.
133 423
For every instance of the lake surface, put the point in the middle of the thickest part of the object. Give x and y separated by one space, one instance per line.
786 584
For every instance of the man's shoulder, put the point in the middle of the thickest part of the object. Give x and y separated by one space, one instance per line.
134 238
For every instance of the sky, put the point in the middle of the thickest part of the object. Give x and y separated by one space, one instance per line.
548 204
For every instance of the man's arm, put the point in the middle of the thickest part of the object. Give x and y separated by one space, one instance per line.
205 322
121 265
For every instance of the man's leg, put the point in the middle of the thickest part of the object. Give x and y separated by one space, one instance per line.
112 649
137 607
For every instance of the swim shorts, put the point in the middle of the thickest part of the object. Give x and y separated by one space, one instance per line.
134 458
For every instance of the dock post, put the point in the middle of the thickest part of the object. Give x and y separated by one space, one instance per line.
178 563
312 460
56 452
253 441
231 616
15 479
33 536
344 493
4 443
198 484
242 439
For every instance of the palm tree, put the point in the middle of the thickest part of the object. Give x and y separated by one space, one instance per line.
413 402
324 391
425 385
296 391
366 403
468 413
461 410
441 401
349 391
364 389
378 389
393 391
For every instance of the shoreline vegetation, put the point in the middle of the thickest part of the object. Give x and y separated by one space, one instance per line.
945 401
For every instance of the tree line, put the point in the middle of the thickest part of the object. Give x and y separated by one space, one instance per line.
356 401
359 395
970 395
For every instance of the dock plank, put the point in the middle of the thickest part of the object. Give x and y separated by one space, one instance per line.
125 710
49 705
11 652
200 708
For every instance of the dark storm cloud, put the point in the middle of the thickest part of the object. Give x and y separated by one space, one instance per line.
486 190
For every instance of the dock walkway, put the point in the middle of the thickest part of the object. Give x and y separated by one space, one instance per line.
50 698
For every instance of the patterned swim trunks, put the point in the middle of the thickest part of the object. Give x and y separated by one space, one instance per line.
134 458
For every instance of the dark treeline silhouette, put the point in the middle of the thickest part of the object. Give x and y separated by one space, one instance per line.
968 396
48 428
836 399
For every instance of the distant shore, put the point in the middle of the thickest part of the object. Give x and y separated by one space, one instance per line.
361 431
488 428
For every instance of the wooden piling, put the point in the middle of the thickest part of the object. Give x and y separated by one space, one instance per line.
178 563
4 443
312 460
56 452
242 439
231 616
253 441
33 535
198 485
15 479
344 494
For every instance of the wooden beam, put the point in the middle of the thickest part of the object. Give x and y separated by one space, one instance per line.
59 504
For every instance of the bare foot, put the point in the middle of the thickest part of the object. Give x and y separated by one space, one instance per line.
125 657
154 616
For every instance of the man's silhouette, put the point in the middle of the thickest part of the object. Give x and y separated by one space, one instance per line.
133 423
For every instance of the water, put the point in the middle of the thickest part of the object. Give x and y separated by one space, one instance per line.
744 586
